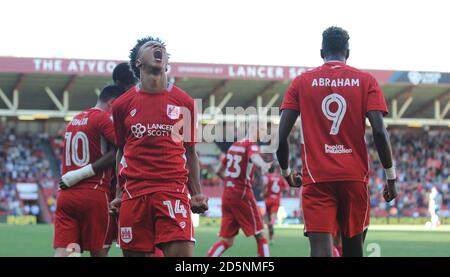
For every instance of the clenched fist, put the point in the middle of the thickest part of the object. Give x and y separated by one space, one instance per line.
199 203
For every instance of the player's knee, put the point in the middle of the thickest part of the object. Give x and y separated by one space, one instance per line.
129 253
259 236
229 241
178 249
101 253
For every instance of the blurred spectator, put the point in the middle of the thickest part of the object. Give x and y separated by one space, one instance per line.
22 159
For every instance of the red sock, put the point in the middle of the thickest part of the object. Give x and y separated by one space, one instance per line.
217 249
263 247
158 253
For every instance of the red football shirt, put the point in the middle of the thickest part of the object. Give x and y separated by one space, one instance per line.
146 125
275 186
88 137
333 100
239 168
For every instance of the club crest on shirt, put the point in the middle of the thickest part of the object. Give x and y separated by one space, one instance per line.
173 112
126 234
182 224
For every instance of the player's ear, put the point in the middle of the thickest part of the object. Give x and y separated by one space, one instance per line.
322 54
110 102
138 63
347 54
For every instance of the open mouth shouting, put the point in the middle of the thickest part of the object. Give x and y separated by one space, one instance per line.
158 55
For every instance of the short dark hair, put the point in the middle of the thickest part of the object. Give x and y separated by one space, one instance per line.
122 73
135 51
335 41
110 92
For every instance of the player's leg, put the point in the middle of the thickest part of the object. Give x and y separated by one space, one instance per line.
135 254
271 217
136 231
321 244
337 244
353 247
220 247
262 246
66 239
319 203
353 216
100 253
173 228
250 220
229 228
178 248
365 234
158 253
95 222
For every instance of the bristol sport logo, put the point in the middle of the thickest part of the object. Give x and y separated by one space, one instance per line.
126 234
138 130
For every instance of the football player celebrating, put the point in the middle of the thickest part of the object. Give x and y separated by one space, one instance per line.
82 221
159 163
334 101
239 207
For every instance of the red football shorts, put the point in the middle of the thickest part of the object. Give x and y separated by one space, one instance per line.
272 205
240 213
151 219
328 207
82 218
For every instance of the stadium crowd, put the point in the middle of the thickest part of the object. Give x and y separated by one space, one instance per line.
22 159
423 161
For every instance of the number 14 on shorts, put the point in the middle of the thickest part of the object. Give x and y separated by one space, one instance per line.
179 208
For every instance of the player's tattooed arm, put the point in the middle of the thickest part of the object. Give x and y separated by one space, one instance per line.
383 146
287 121
199 202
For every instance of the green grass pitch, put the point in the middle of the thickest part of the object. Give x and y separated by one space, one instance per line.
410 241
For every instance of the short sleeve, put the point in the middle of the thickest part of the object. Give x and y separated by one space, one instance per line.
375 98
106 128
190 135
291 97
119 125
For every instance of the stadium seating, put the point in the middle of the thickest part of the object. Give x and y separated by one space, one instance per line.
22 159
